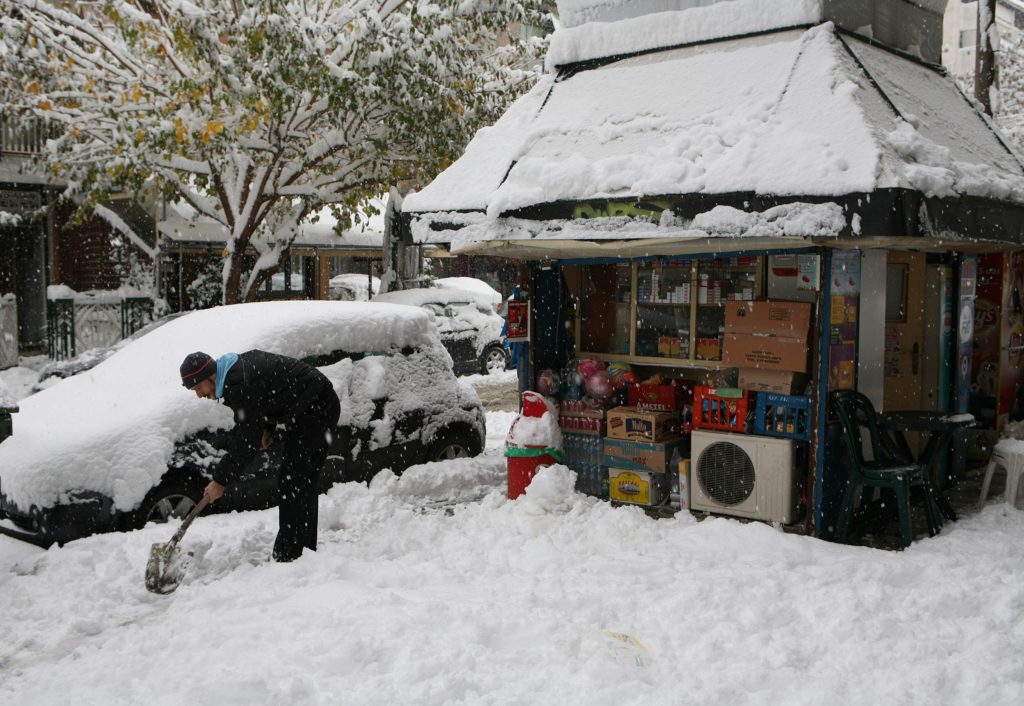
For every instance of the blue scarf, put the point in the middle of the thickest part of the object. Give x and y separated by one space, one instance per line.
224 364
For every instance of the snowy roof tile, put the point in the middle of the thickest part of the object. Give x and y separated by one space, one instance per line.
793 113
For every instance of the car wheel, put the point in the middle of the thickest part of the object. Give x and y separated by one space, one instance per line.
494 360
169 500
452 444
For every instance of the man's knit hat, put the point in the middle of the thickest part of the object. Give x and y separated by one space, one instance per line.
195 368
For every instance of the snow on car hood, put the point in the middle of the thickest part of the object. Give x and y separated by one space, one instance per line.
112 429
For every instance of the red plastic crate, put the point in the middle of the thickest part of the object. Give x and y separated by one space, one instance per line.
714 408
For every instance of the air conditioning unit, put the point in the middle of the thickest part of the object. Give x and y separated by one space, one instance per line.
744 476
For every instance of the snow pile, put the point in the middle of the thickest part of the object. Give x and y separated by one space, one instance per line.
8 399
793 219
552 491
418 597
471 284
112 429
930 169
536 432
435 295
595 30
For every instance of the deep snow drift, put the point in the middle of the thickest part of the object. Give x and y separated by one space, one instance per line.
433 588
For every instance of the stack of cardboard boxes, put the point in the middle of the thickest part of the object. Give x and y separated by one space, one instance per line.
767 341
646 440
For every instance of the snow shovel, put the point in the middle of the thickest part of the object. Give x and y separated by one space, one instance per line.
165 570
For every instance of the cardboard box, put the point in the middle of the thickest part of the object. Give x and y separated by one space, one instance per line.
633 424
769 318
660 398
643 456
783 382
637 487
765 352
708 349
684 484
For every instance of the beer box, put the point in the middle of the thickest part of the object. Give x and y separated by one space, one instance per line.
645 488
642 456
632 424
660 398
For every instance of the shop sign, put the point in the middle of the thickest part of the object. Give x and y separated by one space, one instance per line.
518 321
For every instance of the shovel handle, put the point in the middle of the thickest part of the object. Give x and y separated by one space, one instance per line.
200 506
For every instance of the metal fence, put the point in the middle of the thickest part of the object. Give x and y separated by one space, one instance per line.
76 324
8 331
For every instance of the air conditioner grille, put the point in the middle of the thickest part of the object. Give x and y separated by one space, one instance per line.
726 473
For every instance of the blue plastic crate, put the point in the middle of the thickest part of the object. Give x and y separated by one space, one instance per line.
784 416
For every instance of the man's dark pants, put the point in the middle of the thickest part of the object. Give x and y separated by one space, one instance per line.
305 450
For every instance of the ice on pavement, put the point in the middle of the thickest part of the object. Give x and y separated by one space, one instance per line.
433 588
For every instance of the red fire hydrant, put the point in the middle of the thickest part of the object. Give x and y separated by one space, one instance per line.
534 441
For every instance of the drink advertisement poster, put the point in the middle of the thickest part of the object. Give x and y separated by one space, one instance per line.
518 321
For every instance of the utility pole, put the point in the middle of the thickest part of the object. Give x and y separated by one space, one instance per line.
986 71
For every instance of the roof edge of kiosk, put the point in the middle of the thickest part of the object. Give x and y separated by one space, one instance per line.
778 116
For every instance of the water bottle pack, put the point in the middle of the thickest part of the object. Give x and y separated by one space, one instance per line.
582 453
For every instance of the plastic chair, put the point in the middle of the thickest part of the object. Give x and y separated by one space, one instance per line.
1013 462
886 468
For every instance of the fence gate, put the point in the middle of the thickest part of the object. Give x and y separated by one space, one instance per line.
89 321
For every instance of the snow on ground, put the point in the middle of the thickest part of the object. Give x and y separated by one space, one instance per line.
433 588
16 382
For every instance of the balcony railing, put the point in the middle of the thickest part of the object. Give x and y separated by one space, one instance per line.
23 136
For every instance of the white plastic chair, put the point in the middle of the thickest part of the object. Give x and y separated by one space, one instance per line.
1013 462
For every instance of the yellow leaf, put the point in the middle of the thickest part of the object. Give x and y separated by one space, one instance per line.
33 88
45 105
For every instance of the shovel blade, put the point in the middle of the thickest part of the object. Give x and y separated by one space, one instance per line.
164 570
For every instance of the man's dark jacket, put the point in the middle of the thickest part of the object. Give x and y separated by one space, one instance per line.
266 390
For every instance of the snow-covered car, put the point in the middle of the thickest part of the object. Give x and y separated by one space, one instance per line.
472 284
470 328
124 443
353 287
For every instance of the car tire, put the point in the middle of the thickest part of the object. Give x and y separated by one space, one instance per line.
453 443
173 498
493 360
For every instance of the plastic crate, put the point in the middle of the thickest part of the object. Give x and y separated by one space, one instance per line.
784 416
724 409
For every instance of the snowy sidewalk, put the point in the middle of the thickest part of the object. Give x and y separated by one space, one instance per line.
422 593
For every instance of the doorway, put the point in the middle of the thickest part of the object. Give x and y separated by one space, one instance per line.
904 330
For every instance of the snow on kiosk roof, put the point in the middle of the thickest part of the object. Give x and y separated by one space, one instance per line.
808 115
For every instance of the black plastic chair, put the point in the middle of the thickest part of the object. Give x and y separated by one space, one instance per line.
886 469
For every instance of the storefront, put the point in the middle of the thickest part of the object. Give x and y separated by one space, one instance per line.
724 233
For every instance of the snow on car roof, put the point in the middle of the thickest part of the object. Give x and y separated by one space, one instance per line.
435 295
469 284
127 411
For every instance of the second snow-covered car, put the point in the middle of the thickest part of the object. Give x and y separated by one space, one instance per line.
124 443
470 328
